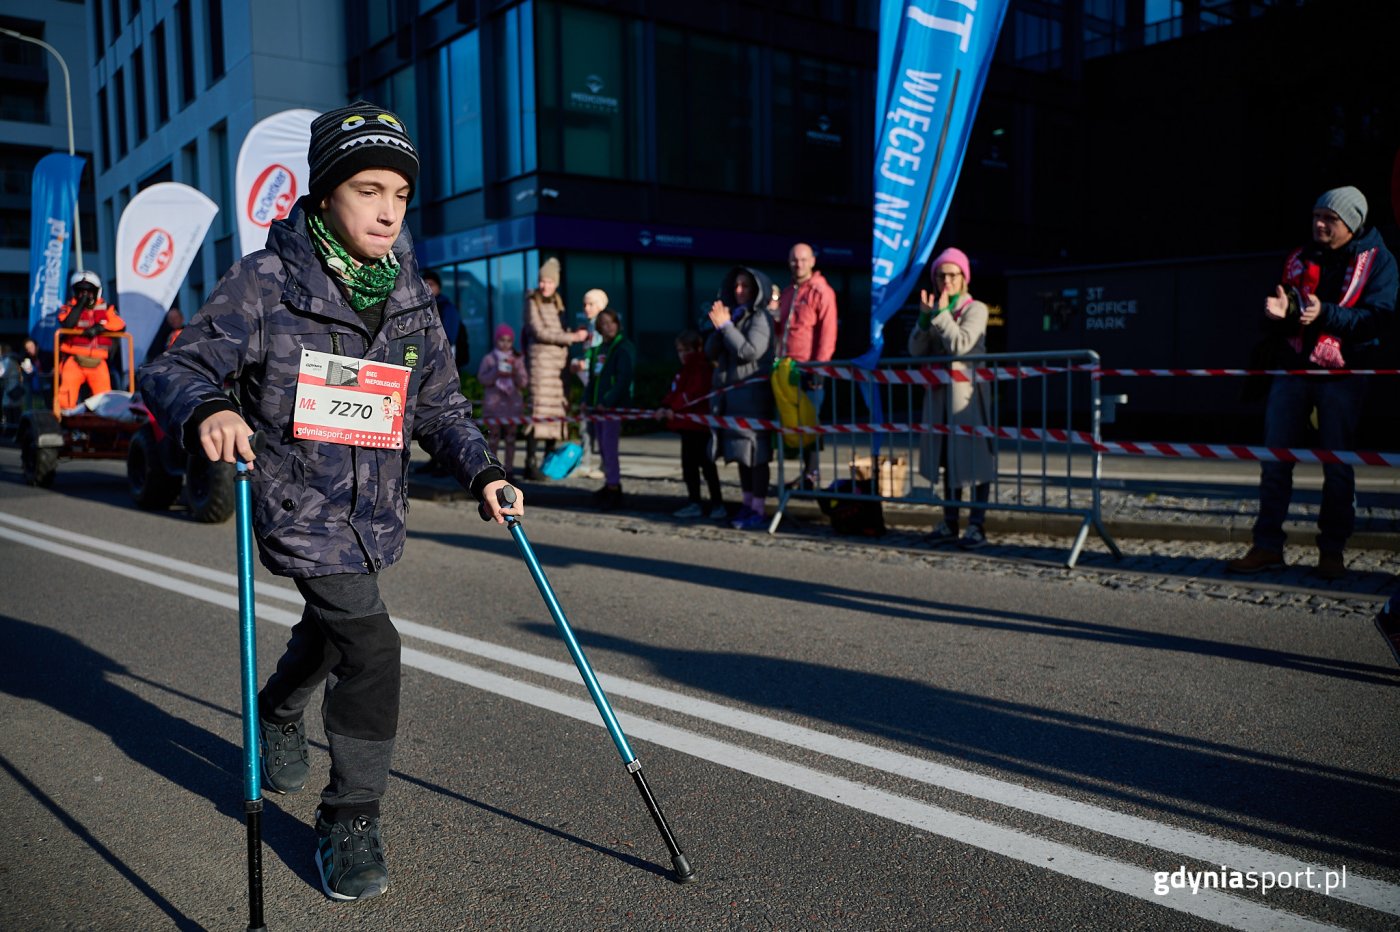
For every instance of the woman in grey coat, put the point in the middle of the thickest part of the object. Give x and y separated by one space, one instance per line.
741 348
951 323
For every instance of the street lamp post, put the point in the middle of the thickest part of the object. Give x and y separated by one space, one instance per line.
68 99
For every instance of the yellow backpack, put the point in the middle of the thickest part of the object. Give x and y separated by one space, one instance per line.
795 409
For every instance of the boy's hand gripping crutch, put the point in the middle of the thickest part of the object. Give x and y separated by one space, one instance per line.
684 873
252 772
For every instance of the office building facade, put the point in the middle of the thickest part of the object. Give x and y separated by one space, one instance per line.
34 123
651 146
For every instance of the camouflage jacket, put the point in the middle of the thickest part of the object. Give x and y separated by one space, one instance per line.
319 508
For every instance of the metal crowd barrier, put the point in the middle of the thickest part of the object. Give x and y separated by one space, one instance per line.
1042 415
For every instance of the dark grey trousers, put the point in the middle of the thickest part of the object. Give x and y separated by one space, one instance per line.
345 642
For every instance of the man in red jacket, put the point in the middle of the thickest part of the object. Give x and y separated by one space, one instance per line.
806 332
84 356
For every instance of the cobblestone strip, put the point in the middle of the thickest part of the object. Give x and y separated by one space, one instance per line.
1190 570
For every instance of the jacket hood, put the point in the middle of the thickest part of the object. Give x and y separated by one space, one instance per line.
765 286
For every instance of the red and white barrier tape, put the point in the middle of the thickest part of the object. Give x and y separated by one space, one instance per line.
1210 451
935 375
1216 372
1202 451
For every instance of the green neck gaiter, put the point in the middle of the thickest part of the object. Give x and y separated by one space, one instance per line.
366 284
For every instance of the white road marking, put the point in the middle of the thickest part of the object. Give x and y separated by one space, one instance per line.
1115 875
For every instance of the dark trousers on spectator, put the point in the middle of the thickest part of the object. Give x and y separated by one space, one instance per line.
1292 398
695 461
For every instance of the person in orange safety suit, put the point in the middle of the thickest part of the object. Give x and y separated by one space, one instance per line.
83 358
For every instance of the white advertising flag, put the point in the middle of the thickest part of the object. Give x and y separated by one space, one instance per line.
271 174
159 233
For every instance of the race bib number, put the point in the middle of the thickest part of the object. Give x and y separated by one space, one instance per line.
356 402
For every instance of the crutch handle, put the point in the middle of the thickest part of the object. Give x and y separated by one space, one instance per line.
258 441
506 496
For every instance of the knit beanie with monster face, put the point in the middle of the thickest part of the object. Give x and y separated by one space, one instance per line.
352 139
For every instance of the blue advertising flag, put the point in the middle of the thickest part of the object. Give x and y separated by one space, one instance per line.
934 60
50 228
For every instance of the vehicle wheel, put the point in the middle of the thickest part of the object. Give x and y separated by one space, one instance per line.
209 490
39 463
151 486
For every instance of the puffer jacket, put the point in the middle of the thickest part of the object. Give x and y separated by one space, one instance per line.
319 508
1357 287
743 356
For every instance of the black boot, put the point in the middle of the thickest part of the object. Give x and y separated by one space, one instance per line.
532 471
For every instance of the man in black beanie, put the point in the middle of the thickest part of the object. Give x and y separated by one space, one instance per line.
332 340
1331 311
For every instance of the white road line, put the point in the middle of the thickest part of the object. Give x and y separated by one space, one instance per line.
1027 848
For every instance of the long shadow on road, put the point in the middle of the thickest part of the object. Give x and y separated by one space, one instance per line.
735 582
1330 809
186 755
1288 800
174 750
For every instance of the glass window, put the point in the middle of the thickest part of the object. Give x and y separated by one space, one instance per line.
14 300
184 50
25 103
706 277
585 270
515 83
14 229
138 88
466 284
508 289
158 65
99 41
1037 42
380 19
461 62
588 94
819 110
104 133
189 164
220 187
660 306
214 32
705 95
119 99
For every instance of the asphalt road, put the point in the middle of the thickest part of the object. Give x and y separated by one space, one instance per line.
842 737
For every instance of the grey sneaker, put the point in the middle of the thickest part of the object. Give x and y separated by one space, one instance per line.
973 538
693 510
286 758
943 534
350 858
719 513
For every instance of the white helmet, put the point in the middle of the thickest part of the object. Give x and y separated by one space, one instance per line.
85 277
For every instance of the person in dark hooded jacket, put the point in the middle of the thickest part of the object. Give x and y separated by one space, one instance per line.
1333 310
333 310
741 348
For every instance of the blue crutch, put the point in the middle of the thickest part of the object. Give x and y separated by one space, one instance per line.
252 772
684 873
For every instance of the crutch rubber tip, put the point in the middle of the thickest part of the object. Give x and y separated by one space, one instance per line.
684 872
